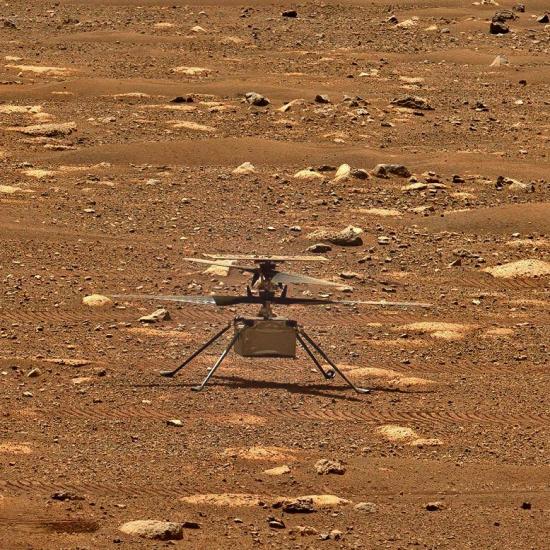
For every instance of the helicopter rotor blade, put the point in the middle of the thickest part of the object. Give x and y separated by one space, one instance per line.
326 301
297 279
222 263
214 300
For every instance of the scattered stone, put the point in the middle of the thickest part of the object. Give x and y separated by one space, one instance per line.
300 505
157 315
335 534
278 471
519 8
34 373
383 240
245 168
174 422
289 13
350 236
319 98
435 506
48 130
367 507
325 466
96 300
319 248
256 99
152 529
382 170
346 275
412 102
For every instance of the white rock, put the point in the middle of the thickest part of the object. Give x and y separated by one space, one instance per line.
152 529
343 172
308 174
96 300
245 168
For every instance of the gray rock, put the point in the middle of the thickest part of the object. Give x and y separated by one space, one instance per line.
435 506
543 18
157 315
300 505
290 13
350 236
519 8
319 248
152 529
174 422
367 507
412 102
321 98
504 15
382 170
48 130
497 27
256 99
325 466
34 373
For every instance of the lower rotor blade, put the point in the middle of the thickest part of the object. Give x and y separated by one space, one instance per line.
215 300
297 279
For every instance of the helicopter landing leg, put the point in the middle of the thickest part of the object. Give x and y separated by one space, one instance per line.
331 363
170 373
328 375
217 364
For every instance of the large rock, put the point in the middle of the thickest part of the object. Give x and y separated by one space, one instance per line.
245 168
497 27
350 236
325 466
256 99
308 174
157 315
521 268
152 529
96 300
48 130
382 170
412 102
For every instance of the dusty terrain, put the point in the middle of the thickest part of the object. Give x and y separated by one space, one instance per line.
106 183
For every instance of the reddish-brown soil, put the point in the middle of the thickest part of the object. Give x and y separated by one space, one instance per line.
460 413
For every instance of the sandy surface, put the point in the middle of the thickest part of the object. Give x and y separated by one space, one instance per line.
106 184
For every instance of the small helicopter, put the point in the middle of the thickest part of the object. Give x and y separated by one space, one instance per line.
265 335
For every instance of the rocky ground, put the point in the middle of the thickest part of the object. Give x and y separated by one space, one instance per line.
122 125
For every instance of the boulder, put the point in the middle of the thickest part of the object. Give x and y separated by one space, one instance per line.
325 466
412 102
154 530
350 236
256 99
96 300
157 315
382 170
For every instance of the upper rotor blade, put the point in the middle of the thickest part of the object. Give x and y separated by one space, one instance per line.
222 264
327 301
295 278
214 300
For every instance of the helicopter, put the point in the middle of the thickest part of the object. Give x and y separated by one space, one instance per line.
266 334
